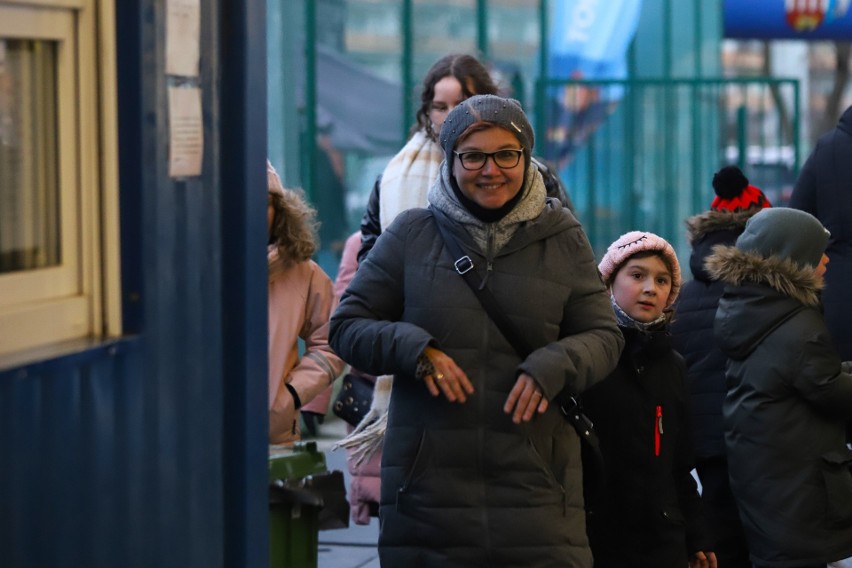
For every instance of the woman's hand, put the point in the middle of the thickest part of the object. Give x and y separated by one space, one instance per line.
524 399
703 559
448 377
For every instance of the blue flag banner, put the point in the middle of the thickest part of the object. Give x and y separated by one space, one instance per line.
788 19
591 37
588 40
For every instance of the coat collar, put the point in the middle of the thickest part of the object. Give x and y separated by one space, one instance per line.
276 264
845 122
699 226
529 207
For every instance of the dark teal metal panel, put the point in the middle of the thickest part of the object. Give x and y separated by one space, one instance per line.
482 29
309 141
407 66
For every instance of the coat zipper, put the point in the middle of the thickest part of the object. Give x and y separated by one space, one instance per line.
658 430
489 251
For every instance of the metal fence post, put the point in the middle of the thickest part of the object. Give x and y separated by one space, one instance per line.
309 144
407 65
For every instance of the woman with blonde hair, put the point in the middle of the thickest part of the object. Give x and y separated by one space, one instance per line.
300 303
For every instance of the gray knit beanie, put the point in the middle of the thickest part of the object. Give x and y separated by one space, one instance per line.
787 234
505 113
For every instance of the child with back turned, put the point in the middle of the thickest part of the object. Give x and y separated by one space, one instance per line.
735 201
649 513
789 393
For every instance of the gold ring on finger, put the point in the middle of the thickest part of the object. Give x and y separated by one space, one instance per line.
439 376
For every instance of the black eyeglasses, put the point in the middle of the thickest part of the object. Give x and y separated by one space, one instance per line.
502 159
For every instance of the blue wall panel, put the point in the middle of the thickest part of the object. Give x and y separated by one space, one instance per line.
66 483
110 463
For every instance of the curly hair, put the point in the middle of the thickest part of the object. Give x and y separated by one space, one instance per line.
294 226
468 71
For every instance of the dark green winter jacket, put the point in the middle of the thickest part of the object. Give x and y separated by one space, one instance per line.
462 485
785 410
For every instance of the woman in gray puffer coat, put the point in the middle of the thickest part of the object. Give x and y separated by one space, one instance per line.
479 468
788 393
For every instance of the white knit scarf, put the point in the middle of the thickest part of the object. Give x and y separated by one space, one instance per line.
408 176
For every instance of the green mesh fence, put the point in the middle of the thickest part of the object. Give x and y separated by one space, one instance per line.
641 154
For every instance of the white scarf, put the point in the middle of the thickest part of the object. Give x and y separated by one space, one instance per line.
408 176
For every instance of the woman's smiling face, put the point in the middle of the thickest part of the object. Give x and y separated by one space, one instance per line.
490 186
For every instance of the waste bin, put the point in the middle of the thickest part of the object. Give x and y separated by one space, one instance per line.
304 498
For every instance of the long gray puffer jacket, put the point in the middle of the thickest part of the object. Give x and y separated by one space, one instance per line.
462 485
788 397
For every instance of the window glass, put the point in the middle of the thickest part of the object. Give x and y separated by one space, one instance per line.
58 192
30 235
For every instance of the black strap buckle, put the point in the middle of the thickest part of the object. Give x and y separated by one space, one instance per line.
573 411
464 264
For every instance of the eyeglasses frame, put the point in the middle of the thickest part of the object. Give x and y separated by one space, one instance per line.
518 151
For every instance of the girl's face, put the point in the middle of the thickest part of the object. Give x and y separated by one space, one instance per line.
448 95
490 186
642 287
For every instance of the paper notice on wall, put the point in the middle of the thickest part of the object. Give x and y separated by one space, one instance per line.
183 25
186 132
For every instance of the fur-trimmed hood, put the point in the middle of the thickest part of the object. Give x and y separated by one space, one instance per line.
760 295
709 229
699 226
733 266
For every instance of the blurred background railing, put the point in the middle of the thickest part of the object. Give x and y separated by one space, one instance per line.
676 99
641 152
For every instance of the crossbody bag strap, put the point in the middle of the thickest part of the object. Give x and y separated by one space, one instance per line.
569 405
464 266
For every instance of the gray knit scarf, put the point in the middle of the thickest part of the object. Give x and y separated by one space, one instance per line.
628 322
442 198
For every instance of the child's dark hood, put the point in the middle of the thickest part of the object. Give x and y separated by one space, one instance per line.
709 229
760 294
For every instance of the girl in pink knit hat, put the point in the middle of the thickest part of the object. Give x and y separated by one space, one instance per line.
649 513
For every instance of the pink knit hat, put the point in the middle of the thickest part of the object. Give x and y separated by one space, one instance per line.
629 244
273 182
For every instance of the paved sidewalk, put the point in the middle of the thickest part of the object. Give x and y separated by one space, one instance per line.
354 547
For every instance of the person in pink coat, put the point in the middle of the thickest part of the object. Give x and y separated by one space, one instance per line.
365 485
301 300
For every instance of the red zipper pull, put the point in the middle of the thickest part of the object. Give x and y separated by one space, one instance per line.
658 430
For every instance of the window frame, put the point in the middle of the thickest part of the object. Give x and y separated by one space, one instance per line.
79 298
